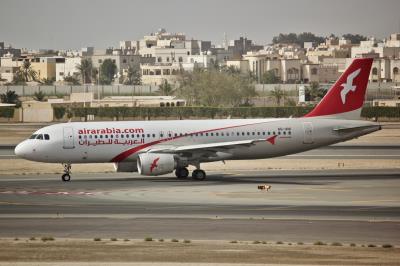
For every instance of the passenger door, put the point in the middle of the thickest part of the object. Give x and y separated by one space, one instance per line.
68 134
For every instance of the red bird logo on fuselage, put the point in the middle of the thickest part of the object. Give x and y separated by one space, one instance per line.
154 164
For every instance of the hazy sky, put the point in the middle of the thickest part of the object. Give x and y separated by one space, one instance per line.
63 24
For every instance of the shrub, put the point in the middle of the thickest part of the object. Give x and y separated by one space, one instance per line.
126 239
300 243
337 244
161 240
32 238
256 242
59 112
113 239
148 239
7 112
319 243
387 246
371 245
174 240
47 238
234 242
186 241
97 239
279 242
353 245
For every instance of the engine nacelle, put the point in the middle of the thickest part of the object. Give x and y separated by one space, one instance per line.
155 164
126 167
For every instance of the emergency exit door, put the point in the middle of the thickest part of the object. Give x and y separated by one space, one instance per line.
68 133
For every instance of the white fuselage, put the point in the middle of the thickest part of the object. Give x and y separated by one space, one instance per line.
99 142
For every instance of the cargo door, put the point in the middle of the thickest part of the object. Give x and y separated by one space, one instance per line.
68 133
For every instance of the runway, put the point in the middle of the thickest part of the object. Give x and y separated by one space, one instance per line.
337 205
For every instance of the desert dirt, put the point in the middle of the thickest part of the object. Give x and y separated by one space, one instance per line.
209 252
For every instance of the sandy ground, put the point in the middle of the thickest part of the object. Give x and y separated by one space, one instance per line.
209 252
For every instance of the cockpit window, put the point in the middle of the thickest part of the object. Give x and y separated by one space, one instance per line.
46 136
40 136
33 136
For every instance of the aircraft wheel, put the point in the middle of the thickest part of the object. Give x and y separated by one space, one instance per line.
199 174
182 173
66 177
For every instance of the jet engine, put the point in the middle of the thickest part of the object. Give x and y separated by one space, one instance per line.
126 167
155 164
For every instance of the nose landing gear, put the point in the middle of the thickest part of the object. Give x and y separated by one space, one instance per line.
67 170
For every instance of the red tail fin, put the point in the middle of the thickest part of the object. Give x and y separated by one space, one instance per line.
346 97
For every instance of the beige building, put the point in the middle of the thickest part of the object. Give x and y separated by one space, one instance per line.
156 74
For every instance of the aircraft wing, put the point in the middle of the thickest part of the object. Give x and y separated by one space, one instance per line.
205 148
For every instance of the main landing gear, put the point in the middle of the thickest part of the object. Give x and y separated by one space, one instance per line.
67 170
183 173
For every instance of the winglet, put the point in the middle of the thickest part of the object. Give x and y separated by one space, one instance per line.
346 97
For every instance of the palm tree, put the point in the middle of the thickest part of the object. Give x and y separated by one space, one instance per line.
165 88
133 77
85 70
9 97
315 92
27 72
278 94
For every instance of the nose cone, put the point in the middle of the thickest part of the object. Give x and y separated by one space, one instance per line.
21 150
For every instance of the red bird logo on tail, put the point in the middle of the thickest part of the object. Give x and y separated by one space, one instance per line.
154 164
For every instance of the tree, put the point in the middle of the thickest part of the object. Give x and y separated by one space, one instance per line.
107 72
39 96
314 92
71 80
26 71
85 69
133 77
269 77
354 38
278 94
18 79
165 88
215 88
10 97
293 38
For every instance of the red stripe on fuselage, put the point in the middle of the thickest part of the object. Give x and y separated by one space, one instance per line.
122 156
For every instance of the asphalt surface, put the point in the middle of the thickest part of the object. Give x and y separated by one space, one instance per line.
379 152
339 205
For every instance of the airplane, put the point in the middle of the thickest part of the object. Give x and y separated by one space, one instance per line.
161 147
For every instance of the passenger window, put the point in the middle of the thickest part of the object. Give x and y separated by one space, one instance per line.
95 136
201 134
212 134
227 134
161 135
122 136
111 136
289 133
206 134
253 133
78 137
154 135
127 136
101 136
263 133
148 135
258 133
248 133
106 136
216 134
